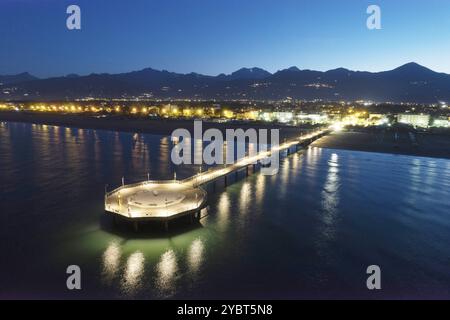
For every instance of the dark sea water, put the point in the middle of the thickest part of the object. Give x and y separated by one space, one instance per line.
308 232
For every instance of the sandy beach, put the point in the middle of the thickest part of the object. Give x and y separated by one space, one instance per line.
421 144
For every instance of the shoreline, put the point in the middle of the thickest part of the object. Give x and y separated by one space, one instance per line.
139 125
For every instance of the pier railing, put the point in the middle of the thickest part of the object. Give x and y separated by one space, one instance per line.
142 183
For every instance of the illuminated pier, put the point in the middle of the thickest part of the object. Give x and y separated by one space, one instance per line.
164 201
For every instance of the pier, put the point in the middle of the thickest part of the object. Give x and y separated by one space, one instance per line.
163 201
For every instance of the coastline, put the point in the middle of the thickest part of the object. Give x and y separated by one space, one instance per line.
140 125
428 145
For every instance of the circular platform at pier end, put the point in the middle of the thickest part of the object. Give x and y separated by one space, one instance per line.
153 200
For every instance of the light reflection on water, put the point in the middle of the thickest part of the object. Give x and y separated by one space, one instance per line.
111 261
330 199
284 173
195 255
307 231
245 198
134 271
223 211
166 270
260 189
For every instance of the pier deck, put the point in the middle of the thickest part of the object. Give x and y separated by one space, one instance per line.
155 200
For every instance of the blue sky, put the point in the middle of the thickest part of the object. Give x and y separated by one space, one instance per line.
215 36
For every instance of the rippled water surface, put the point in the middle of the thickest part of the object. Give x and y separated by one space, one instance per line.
309 231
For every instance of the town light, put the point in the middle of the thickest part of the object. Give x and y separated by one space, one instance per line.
337 127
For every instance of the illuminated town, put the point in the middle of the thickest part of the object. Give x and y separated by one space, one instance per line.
362 114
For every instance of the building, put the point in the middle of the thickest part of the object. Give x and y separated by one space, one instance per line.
283 117
441 122
416 120
312 118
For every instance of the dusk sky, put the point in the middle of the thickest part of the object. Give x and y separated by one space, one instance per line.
218 36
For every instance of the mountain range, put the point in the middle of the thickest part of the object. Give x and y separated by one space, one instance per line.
21 77
408 83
